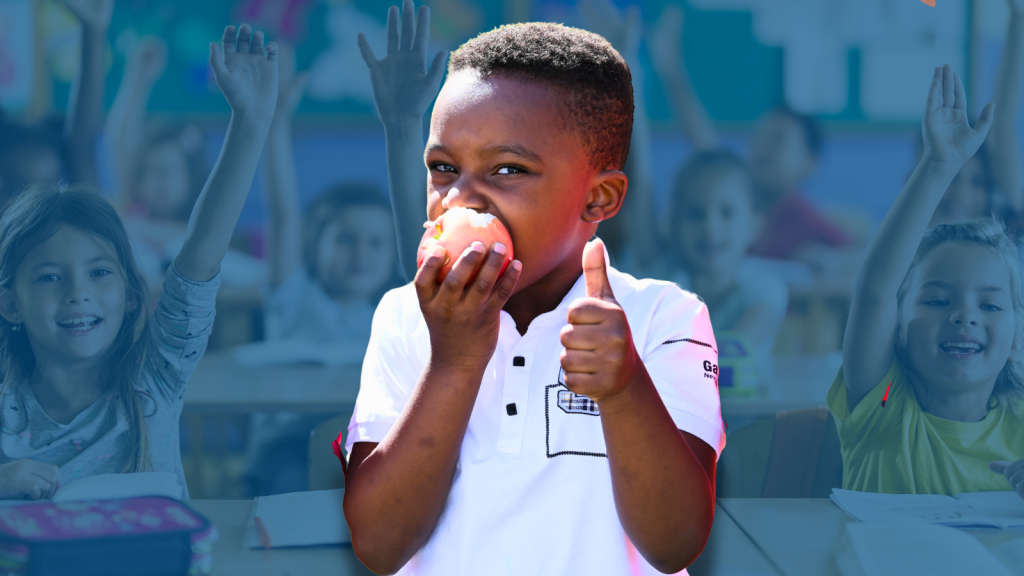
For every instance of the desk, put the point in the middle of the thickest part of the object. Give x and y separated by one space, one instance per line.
230 558
799 534
796 382
729 552
222 384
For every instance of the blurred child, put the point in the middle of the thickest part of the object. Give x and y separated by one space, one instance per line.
159 172
40 152
784 152
328 270
90 383
712 222
507 422
929 396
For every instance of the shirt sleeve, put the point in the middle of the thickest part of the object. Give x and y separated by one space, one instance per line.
869 419
389 374
681 357
179 331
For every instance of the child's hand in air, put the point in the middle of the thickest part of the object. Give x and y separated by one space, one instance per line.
623 32
949 140
664 43
147 61
1014 472
599 357
403 88
290 85
464 317
246 77
92 13
28 479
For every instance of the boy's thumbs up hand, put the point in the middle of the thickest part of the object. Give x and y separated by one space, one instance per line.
599 357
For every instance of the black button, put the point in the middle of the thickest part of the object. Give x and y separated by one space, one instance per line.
511 409
519 361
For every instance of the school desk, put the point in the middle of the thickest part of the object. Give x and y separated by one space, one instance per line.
798 535
729 552
221 384
230 558
796 382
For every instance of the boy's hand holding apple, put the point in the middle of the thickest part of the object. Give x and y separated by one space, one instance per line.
462 306
599 359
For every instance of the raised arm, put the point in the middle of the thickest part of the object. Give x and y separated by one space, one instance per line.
85 105
624 32
949 141
665 45
1006 157
403 89
143 66
284 216
248 79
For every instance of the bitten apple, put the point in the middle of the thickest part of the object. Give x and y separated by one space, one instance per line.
455 230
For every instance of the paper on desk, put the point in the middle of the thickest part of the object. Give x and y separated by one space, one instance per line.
901 549
299 519
1004 508
111 486
870 507
295 351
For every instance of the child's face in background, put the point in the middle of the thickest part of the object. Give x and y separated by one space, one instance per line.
164 180
70 293
958 322
779 157
966 198
355 257
499 146
717 222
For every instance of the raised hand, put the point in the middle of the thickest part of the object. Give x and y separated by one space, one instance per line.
1014 472
603 17
147 61
403 87
246 77
599 357
93 13
949 138
665 39
290 85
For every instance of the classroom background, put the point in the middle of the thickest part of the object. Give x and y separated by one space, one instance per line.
861 69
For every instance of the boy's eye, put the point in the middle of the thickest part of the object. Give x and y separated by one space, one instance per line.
990 308
442 167
935 302
511 170
48 278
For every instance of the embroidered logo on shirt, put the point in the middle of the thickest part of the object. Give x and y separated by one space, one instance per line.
573 403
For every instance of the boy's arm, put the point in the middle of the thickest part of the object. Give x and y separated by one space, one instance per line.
123 133
403 89
248 80
1006 158
662 478
664 44
284 217
949 142
85 109
395 490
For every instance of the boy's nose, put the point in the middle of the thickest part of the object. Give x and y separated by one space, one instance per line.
464 197
964 317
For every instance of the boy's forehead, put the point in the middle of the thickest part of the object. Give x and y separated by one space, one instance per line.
467 93
963 264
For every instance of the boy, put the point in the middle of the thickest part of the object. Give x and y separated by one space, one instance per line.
548 420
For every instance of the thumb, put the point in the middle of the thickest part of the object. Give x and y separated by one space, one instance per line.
217 60
985 120
595 274
999 466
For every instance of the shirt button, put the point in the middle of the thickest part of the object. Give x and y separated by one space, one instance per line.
511 409
519 361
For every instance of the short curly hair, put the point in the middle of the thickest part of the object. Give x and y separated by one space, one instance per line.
592 74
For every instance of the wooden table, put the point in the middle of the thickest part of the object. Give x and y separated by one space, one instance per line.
798 535
222 384
230 558
796 382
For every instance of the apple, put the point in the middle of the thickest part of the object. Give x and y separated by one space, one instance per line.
455 230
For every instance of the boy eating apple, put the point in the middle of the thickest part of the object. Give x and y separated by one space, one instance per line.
558 418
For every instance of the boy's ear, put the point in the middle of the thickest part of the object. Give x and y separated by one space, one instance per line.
604 199
8 307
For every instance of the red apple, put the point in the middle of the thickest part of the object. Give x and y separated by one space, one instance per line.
455 230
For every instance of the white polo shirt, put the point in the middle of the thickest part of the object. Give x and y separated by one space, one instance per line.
532 492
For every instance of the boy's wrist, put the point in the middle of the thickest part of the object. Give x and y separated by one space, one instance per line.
251 120
404 124
940 168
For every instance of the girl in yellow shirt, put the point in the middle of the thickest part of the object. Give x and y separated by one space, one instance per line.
936 330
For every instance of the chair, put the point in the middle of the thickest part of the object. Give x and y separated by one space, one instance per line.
794 455
325 472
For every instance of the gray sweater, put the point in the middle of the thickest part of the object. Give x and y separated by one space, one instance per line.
95 442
